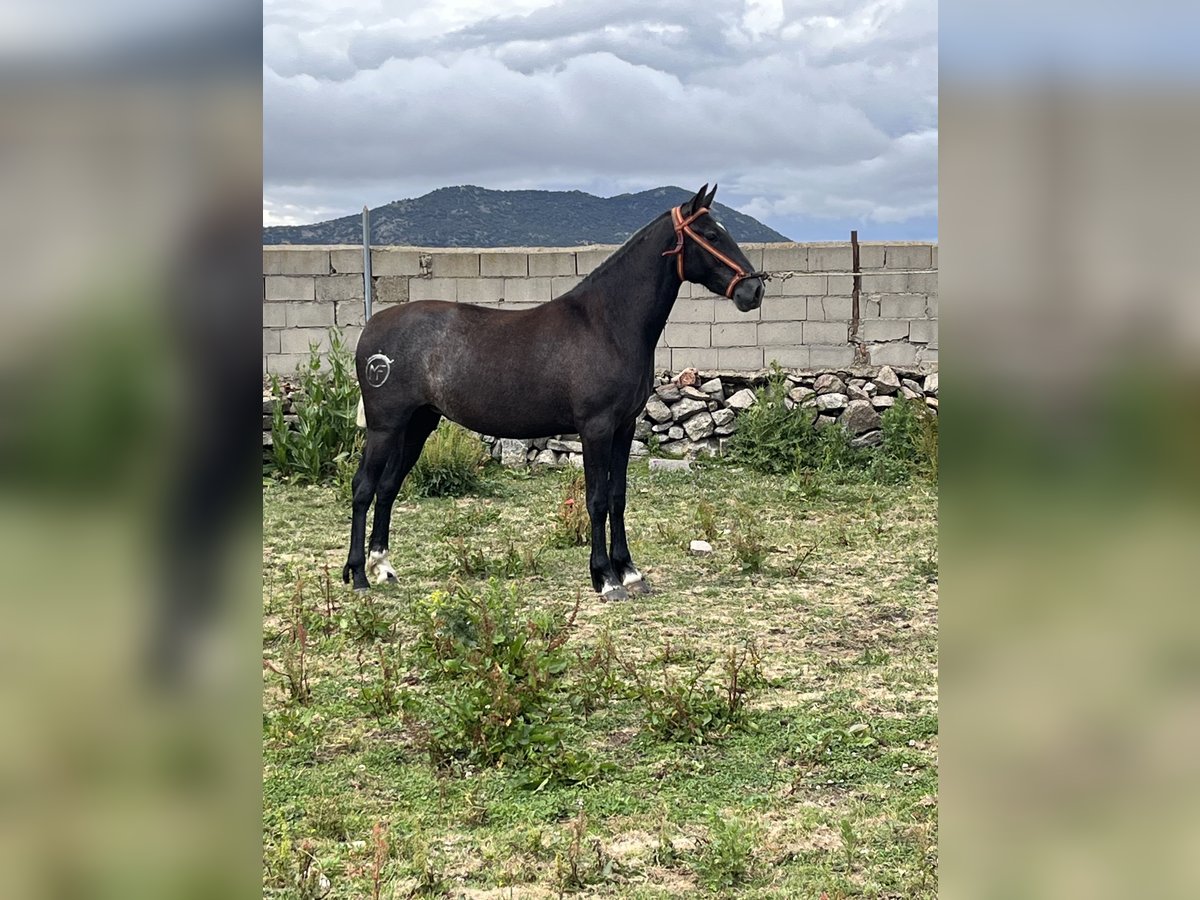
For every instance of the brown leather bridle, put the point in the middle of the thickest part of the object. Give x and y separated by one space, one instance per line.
684 226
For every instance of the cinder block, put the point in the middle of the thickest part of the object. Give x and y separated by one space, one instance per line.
295 261
289 287
909 256
885 283
480 290
798 286
754 256
433 289
923 331
389 289
826 332
699 291
785 258
897 353
351 312
927 357
870 256
933 250
830 259
527 290
274 315
702 358
840 285
551 264
784 309
831 309
297 340
332 288
789 357
822 357
731 334
504 265
455 265
285 363
270 341
304 315
884 330
923 282
351 335
688 309
521 304
689 335
347 261
776 333
725 311
587 260
396 262
746 359
868 306
560 284
931 306
902 306
662 359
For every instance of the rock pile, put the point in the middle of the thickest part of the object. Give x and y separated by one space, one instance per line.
690 415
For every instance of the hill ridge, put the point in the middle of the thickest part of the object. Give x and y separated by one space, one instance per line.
473 216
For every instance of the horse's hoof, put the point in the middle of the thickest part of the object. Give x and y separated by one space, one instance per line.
641 586
613 592
361 589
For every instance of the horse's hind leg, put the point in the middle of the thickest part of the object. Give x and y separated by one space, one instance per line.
378 447
399 464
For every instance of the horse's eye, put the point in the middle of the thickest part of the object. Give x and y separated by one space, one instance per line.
711 234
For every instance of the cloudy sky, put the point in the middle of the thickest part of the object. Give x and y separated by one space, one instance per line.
816 116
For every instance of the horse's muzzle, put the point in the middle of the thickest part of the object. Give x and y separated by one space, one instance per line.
748 294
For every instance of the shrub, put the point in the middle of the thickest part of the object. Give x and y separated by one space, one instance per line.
450 465
495 683
326 406
748 540
770 437
910 442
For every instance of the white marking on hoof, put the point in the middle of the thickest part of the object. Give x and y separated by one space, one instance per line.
613 592
379 569
632 578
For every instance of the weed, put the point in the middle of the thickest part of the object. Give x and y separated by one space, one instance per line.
495 677
381 849
464 524
326 404
849 842
450 465
748 540
910 442
295 654
706 520
381 697
572 527
367 620
772 438
727 858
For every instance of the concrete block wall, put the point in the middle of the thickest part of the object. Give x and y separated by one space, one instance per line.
805 320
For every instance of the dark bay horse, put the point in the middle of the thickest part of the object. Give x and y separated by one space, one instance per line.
581 363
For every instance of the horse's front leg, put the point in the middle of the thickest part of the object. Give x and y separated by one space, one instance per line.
622 561
597 460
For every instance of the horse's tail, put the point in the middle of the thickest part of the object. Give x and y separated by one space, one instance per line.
361 419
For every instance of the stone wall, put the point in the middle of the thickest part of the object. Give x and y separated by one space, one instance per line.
805 320
694 413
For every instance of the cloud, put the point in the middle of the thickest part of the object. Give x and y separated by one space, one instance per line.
822 110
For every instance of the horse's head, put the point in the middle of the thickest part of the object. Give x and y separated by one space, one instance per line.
706 254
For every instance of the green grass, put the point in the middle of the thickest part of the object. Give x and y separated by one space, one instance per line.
828 784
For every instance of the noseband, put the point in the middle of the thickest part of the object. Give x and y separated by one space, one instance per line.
684 226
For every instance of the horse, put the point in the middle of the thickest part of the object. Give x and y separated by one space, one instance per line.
579 364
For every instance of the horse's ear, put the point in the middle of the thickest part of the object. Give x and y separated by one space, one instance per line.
709 199
696 202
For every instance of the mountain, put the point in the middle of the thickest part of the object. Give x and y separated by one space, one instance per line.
470 216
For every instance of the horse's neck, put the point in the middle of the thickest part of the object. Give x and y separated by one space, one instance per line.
637 304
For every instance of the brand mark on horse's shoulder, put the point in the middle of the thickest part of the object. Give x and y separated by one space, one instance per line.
377 370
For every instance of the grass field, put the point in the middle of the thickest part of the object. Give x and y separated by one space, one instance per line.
824 784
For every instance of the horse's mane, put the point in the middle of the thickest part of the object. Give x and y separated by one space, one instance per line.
621 252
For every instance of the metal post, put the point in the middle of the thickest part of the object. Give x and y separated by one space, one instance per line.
366 264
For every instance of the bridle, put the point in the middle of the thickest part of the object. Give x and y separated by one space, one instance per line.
684 226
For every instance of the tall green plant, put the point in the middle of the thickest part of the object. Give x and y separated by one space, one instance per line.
326 405
772 438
